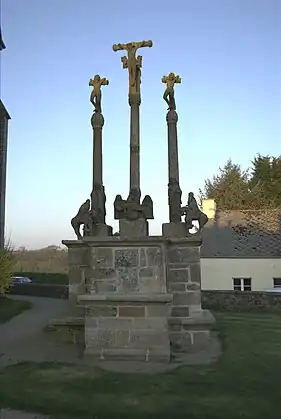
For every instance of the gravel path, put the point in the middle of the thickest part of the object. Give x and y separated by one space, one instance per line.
23 339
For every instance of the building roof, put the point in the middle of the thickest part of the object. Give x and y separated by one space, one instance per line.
3 110
243 234
2 45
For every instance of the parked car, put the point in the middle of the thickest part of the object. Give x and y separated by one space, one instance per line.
21 280
275 290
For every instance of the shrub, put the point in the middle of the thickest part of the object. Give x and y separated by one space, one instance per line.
6 269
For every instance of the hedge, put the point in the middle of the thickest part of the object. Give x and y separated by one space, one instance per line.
45 278
40 290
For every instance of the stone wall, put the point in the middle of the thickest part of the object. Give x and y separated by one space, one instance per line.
124 269
78 255
126 327
241 301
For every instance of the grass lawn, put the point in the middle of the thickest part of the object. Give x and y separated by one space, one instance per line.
245 383
10 308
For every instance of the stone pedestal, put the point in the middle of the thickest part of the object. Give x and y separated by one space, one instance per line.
189 325
133 229
174 230
102 230
127 326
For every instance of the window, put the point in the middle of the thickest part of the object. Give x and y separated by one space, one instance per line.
243 284
277 282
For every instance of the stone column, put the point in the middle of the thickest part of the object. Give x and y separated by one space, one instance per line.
97 122
134 102
173 161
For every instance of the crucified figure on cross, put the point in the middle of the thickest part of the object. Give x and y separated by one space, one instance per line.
132 62
95 97
169 94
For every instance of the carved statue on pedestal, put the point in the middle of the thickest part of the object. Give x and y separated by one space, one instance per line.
191 212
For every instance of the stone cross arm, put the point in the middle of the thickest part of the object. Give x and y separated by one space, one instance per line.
171 78
98 81
132 46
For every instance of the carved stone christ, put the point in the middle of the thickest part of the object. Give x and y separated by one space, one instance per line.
95 97
132 62
169 94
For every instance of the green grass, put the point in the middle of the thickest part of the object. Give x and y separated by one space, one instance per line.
244 383
10 308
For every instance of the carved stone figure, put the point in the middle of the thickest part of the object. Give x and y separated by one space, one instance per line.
81 218
174 195
192 213
131 209
169 94
132 63
95 97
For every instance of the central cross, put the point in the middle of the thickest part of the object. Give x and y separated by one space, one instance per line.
132 63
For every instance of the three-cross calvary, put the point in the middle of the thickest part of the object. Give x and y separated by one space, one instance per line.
95 97
169 94
132 62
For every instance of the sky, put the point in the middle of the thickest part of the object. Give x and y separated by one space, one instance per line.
227 53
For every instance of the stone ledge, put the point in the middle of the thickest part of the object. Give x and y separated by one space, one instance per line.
114 297
67 321
141 355
203 318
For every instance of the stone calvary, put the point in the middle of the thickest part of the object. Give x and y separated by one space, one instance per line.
140 294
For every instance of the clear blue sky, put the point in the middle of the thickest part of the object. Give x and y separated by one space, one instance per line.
229 103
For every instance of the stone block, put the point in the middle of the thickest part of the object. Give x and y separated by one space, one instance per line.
158 310
190 298
98 310
113 354
200 339
101 257
145 272
148 338
74 290
102 230
195 273
126 258
183 255
178 275
175 230
177 286
155 323
127 280
131 311
151 286
192 286
180 311
105 286
98 339
76 275
78 255
133 229
103 273
142 257
154 256
115 323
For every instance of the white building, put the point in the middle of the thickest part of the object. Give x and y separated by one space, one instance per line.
241 250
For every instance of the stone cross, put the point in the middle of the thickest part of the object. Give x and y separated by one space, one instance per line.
134 64
95 97
174 190
169 94
98 197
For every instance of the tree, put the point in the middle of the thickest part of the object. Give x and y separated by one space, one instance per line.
256 188
6 269
229 188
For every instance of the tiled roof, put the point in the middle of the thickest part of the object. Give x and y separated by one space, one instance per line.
243 234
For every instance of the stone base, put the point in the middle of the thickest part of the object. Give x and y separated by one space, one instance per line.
133 229
176 230
102 230
127 327
192 334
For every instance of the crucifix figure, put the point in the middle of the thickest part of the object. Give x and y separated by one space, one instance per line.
169 94
132 63
95 97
